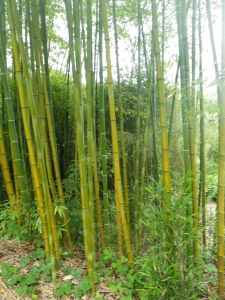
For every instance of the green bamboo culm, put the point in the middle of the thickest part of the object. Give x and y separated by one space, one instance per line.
39 119
40 136
137 144
145 139
115 148
186 151
122 137
49 112
202 131
193 58
212 39
6 172
191 131
89 124
220 201
183 50
16 156
91 141
173 105
153 116
3 28
103 135
162 111
78 105
39 181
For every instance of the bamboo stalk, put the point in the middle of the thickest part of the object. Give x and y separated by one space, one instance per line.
50 119
153 117
14 143
137 144
202 131
191 131
186 146
103 136
215 60
221 182
145 139
5 170
25 114
162 111
81 153
122 138
115 148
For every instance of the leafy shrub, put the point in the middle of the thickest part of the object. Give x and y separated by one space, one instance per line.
19 224
163 269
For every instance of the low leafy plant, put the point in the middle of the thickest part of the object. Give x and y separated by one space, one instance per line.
117 270
12 224
26 282
162 268
64 288
73 204
83 287
111 269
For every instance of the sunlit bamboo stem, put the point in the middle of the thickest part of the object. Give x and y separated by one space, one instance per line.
122 138
221 183
162 112
202 130
115 148
103 135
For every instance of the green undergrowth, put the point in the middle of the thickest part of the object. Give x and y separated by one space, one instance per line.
165 269
114 272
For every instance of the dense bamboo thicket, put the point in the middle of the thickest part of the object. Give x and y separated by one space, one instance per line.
95 133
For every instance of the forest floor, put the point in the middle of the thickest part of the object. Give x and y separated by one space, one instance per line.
13 252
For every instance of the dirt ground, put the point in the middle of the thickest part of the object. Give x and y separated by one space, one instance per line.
12 252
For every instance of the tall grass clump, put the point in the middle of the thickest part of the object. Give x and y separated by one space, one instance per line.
162 269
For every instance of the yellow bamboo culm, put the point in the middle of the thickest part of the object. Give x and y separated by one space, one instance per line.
26 123
221 165
115 148
5 170
161 100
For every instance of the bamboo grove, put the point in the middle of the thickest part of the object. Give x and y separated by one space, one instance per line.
90 126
